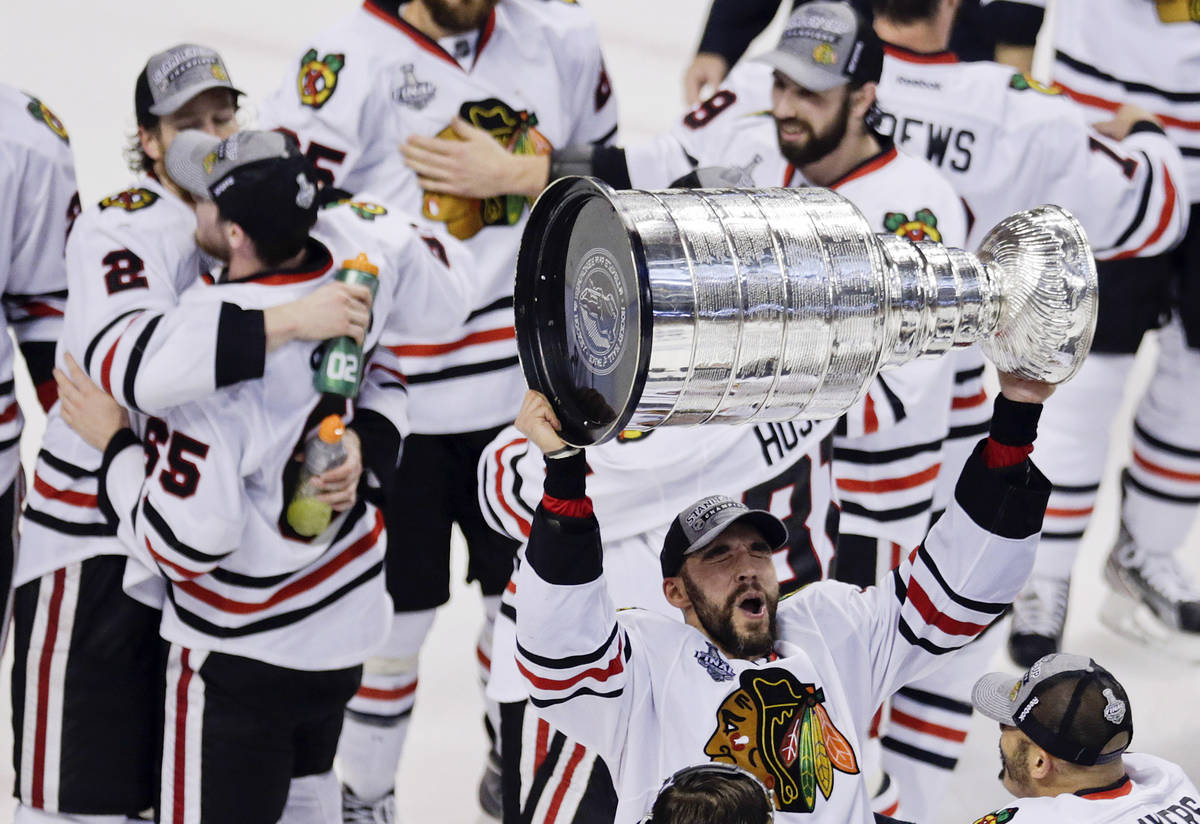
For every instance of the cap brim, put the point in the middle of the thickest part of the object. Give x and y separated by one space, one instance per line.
801 72
178 100
771 528
990 696
185 161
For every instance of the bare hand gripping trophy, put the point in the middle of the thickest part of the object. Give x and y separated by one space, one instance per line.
644 309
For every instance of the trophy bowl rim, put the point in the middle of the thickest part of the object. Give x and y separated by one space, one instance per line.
565 196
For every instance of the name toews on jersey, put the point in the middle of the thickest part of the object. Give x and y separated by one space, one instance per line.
533 77
1007 143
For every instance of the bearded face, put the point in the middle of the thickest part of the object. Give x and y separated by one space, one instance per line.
808 124
743 623
210 236
1014 763
458 16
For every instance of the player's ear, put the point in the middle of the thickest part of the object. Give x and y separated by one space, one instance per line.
861 100
151 143
1040 763
676 593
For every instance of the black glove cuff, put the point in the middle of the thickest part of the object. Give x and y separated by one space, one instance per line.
1014 423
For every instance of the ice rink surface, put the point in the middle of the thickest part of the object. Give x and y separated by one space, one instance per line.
81 59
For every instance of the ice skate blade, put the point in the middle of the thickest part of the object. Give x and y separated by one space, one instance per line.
1134 620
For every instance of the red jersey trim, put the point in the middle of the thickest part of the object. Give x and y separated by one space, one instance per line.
427 43
866 167
1125 787
910 56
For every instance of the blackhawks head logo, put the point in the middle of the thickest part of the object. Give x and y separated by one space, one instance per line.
998 817
43 115
130 200
516 131
1021 82
923 226
777 727
363 208
318 78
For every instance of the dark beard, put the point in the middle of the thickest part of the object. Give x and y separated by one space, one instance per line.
718 622
818 145
458 19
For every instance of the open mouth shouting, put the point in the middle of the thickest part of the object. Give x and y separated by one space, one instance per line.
752 604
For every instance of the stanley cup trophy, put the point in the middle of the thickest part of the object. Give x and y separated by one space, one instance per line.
644 309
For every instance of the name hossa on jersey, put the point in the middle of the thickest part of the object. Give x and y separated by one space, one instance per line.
1007 143
36 215
533 76
210 512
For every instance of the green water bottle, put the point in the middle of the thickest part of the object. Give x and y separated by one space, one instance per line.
340 372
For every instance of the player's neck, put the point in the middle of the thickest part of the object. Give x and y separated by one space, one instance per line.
926 36
856 149
1089 780
416 15
245 264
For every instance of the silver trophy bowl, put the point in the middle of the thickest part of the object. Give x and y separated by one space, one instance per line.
643 309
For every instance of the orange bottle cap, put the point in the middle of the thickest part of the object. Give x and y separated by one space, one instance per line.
331 429
361 264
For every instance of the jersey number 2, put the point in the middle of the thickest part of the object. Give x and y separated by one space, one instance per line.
124 271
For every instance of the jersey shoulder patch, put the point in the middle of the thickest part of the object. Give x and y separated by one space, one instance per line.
922 225
998 817
130 200
318 77
1023 82
39 112
365 209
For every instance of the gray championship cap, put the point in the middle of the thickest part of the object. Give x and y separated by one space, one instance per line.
175 76
702 522
825 45
1068 705
257 179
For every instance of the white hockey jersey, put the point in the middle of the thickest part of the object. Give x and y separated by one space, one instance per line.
128 259
1134 51
209 500
39 206
652 695
1154 791
534 77
1007 144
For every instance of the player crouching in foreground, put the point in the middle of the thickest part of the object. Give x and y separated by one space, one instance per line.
786 690
1065 726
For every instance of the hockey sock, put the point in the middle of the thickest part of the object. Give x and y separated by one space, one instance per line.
1071 450
377 716
483 653
1162 483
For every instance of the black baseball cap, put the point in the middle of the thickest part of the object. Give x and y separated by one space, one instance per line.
1068 705
700 524
827 44
258 179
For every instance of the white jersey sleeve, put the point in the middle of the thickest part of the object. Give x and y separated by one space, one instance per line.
129 260
184 489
